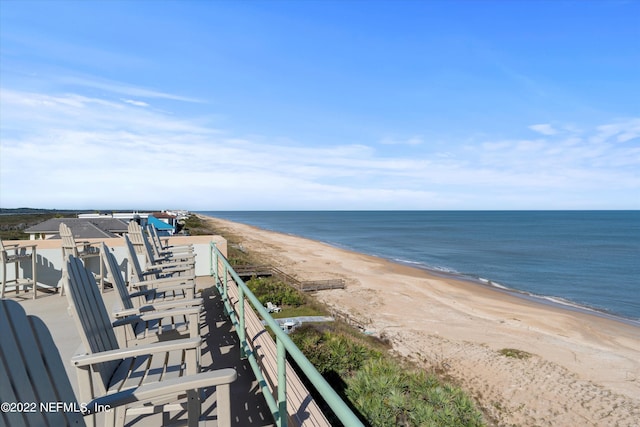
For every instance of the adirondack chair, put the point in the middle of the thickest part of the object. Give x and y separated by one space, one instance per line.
107 368
143 246
83 250
157 275
168 291
149 305
16 254
272 308
165 249
32 371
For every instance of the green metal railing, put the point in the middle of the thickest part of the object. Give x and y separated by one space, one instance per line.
283 343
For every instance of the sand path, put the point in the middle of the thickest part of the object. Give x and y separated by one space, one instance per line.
584 369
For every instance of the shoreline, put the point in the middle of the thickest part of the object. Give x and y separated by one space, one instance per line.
584 367
548 300
569 288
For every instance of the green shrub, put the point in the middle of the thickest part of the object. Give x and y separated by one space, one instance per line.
269 289
330 352
514 353
194 226
382 389
386 393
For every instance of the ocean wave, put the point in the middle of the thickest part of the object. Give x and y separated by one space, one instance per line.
496 284
558 301
425 266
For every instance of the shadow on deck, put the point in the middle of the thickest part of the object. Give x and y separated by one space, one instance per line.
220 349
248 407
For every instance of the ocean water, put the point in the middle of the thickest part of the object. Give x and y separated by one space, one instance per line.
587 259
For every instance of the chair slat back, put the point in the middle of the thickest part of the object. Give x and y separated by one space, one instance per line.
68 242
155 238
113 271
31 370
148 250
136 236
136 270
91 316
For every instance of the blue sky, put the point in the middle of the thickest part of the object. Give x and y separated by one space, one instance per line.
259 105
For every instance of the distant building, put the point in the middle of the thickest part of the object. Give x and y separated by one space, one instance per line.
166 218
82 228
139 217
99 225
163 227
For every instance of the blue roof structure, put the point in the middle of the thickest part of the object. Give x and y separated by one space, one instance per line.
159 225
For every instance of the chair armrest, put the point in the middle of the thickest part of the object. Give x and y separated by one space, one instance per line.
170 283
150 271
180 311
141 292
182 258
160 284
168 387
152 290
180 291
184 302
140 350
164 264
155 311
128 316
178 248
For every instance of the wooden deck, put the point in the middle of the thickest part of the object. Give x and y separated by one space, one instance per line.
247 271
220 349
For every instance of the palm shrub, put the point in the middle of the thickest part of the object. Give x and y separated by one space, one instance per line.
380 388
332 353
195 226
269 289
384 392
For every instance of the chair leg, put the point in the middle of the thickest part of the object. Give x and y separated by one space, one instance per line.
34 273
101 274
223 403
62 281
193 408
17 265
4 279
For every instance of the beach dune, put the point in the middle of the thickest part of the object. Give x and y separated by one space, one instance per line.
583 369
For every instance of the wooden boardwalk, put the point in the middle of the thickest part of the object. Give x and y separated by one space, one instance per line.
245 271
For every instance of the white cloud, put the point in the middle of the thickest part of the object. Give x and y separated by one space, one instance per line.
123 88
544 129
88 152
414 140
136 103
623 131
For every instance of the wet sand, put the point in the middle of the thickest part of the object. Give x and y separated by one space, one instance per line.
584 369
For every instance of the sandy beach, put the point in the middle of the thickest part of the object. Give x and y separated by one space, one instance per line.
584 369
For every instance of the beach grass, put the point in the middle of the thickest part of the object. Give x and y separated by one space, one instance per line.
514 353
303 310
382 389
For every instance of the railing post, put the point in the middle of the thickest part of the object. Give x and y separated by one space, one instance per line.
216 261
242 331
282 383
225 296
211 255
